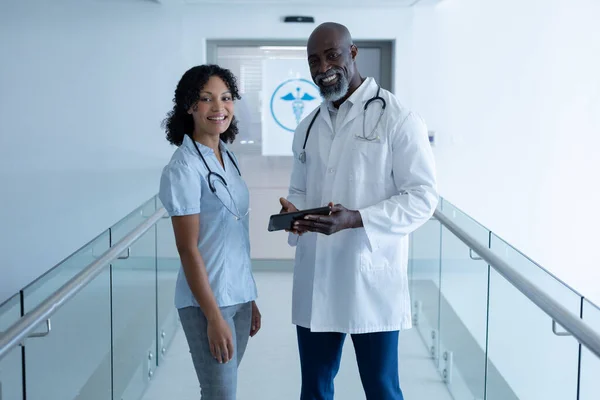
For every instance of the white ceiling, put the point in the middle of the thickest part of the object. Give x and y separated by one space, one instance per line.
329 3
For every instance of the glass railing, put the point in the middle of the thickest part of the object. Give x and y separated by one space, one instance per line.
106 342
589 387
11 366
488 340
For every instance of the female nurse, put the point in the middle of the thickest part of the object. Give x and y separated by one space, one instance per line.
203 191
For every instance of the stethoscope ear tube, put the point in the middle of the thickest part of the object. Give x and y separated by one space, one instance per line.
302 155
376 98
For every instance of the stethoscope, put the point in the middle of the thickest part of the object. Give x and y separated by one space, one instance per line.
372 136
220 178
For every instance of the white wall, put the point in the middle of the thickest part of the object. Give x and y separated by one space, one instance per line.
513 89
252 23
510 86
268 178
84 86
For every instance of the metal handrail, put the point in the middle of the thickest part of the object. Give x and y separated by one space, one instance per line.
22 329
580 330
18 332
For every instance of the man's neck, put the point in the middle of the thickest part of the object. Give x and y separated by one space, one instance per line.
354 85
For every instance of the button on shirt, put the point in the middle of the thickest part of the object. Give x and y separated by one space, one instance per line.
223 241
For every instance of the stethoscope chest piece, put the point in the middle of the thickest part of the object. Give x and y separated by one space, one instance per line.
302 157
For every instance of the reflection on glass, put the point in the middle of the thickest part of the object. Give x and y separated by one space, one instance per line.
134 308
167 268
11 377
526 359
74 359
463 309
425 283
247 63
590 364
95 362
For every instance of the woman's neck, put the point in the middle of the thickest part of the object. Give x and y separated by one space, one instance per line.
208 141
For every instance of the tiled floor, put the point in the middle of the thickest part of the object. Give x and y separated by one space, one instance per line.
270 369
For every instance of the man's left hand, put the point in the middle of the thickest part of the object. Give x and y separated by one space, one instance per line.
339 219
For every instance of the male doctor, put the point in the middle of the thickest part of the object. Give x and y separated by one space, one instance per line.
377 174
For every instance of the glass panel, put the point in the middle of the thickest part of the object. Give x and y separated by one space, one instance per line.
266 174
262 109
526 360
590 364
168 265
258 112
11 366
425 282
267 177
134 308
463 309
73 361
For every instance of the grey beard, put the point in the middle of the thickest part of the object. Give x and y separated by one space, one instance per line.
337 91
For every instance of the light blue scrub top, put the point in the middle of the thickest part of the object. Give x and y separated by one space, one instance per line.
224 240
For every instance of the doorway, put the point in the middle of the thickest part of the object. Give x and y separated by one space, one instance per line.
277 91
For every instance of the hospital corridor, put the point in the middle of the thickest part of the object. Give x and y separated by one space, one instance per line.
401 187
275 350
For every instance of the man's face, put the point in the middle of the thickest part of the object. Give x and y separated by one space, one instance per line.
331 66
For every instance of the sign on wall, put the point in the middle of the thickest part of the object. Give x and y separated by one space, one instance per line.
288 96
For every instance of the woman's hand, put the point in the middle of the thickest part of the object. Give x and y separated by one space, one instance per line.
220 340
256 320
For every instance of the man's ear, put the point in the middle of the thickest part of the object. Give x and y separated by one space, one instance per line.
353 51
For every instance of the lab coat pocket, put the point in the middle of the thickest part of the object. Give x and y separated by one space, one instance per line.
370 260
371 158
373 261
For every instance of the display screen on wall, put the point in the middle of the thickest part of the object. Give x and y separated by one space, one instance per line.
289 95
277 92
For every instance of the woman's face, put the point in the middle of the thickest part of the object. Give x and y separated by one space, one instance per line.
214 110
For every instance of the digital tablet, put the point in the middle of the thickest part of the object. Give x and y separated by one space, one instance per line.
283 221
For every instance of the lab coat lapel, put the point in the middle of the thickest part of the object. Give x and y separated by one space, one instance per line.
354 112
325 115
358 100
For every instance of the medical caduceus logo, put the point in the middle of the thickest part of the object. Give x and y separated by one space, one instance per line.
298 102
292 101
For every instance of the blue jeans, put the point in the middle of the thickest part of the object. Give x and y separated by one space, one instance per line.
217 381
376 355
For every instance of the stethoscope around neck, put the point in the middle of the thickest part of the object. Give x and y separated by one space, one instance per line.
371 137
215 177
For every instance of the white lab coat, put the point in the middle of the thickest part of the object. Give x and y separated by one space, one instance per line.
355 281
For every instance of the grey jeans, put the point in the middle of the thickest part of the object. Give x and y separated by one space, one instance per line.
217 381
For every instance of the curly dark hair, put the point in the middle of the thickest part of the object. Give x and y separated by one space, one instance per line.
178 122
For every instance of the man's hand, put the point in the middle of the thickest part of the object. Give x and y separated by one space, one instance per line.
340 218
286 207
